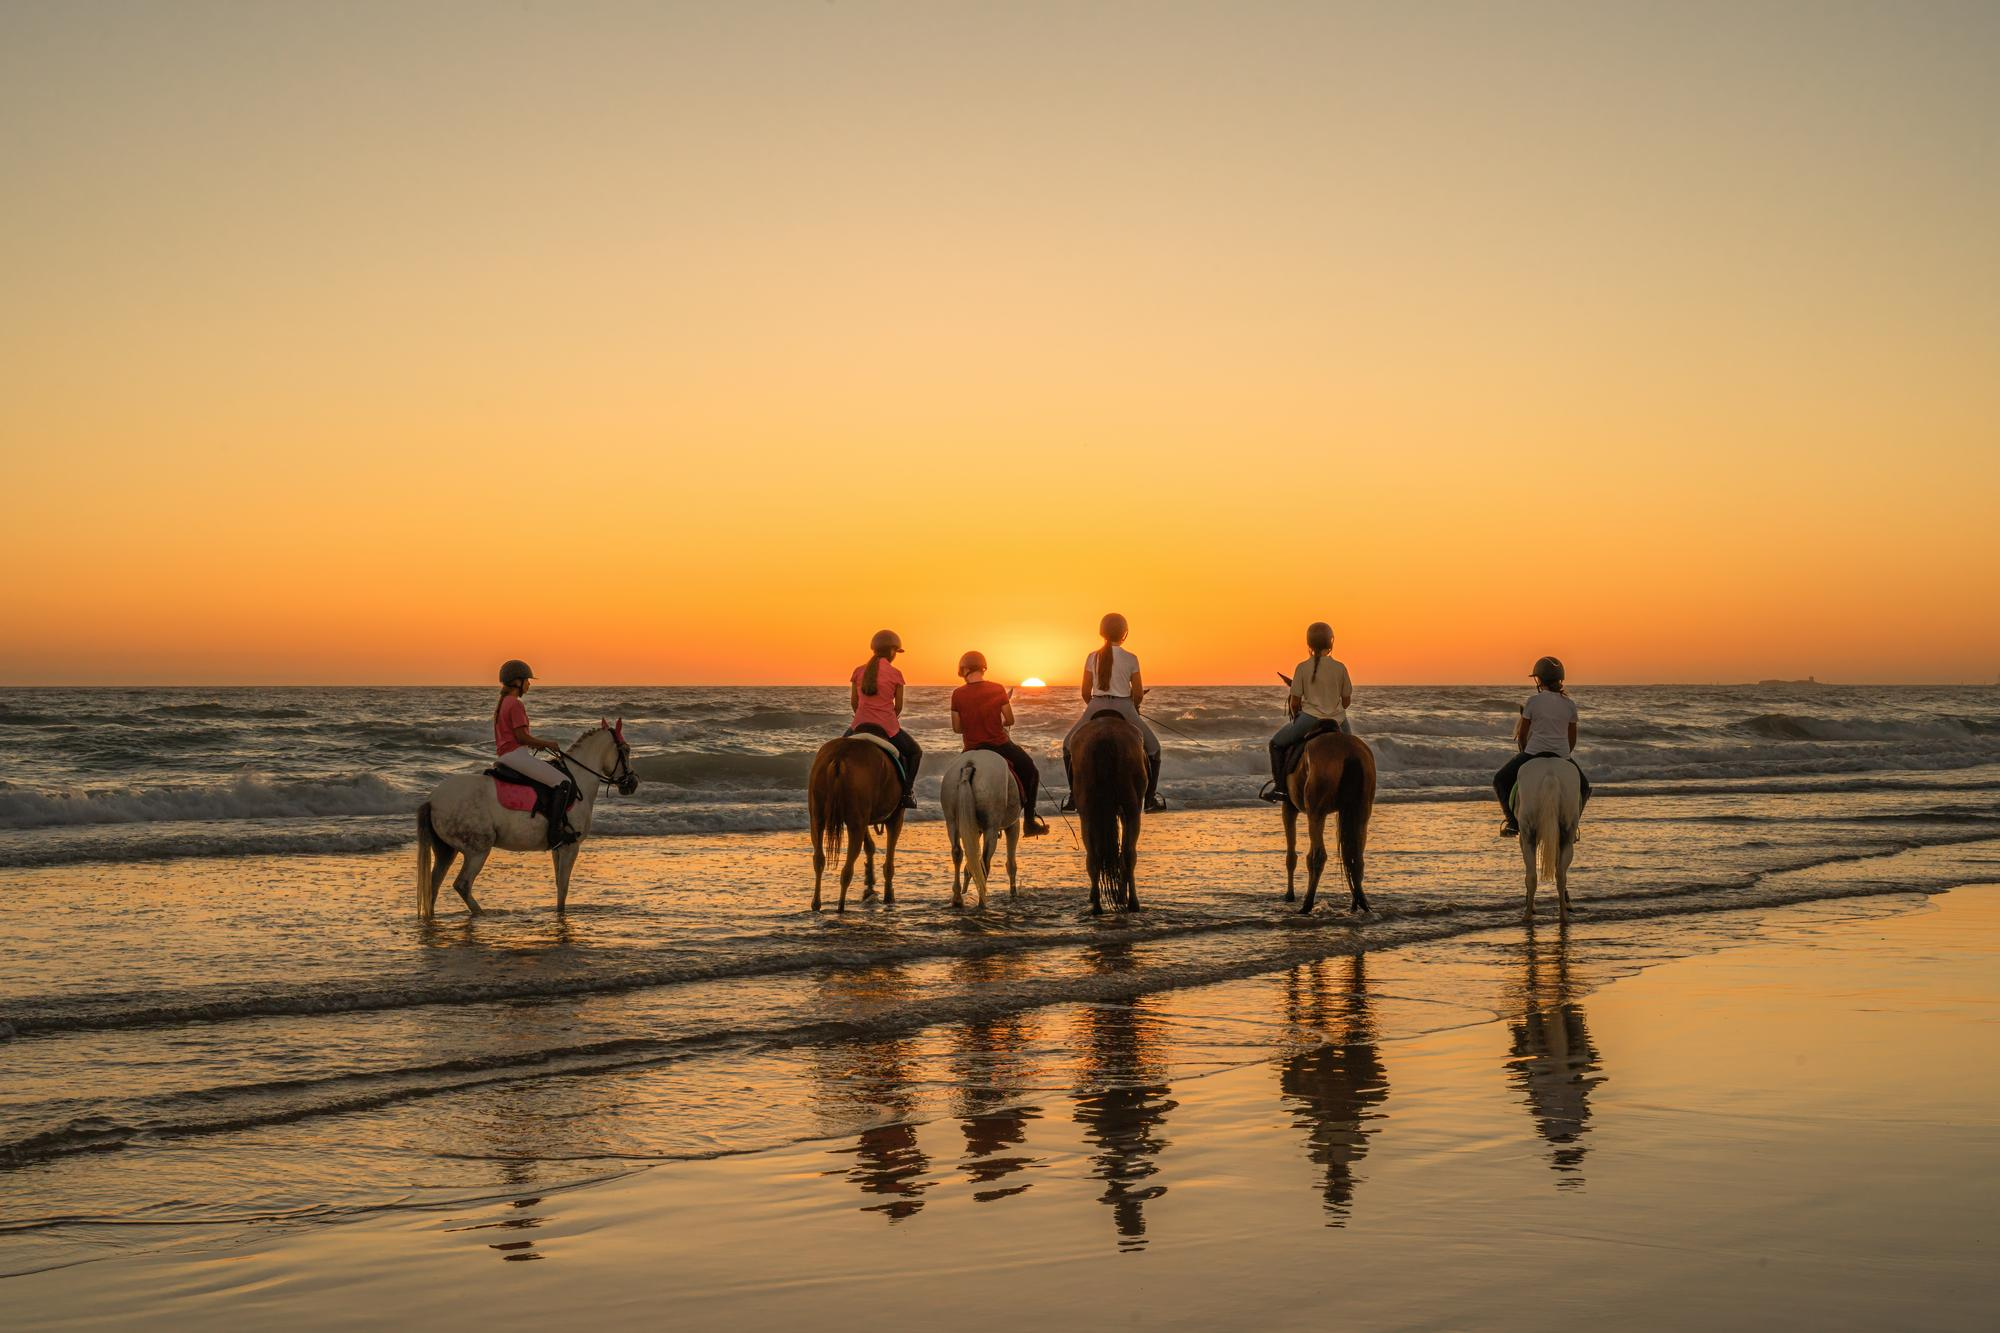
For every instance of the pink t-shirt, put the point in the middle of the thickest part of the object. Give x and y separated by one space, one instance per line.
879 707
513 713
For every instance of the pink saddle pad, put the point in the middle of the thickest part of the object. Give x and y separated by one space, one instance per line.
514 796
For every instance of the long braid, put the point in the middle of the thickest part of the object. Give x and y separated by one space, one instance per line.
870 677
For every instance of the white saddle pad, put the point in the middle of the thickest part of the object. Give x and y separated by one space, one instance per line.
895 755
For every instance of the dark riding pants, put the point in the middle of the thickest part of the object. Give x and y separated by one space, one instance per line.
1503 781
906 746
1024 768
1289 735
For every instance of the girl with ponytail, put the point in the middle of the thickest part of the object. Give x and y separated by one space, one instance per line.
1111 683
1321 692
875 692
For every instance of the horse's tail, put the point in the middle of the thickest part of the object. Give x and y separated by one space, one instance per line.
1548 810
1351 802
965 820
1103 855
426 845
829 822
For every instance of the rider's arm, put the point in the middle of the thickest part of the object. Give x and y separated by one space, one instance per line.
1521 734
532 741
1006 714
1138 690
899 700
1572 734
1086 682
956 725
854 695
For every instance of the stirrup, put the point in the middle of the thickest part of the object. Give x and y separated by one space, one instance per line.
1034 827
1154 804
1068 805
1510 829
1272 792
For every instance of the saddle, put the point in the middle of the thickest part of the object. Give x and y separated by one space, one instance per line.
868 731
1108 712
515 790
1296 752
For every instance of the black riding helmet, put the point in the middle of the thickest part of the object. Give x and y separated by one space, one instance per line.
515 669
1319 637
1548 670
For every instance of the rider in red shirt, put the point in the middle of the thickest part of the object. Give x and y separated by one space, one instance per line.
981 712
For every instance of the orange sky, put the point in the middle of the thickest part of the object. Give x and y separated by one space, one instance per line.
1664 341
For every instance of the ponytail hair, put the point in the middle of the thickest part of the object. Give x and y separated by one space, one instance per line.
868 677
1114 629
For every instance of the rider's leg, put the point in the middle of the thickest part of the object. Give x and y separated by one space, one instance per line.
1153 801
1583 779
1028 776
913 754
1503 787
1287 736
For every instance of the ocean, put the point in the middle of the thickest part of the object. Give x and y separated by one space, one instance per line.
218 1010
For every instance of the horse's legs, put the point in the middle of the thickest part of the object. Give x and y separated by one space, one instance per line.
1315 856
957 864
819 856
1353 852
445 854
889 859
1128 861
1013 874
856 835
868 872
1291 850
1528 860
565 859
474 863
1562 879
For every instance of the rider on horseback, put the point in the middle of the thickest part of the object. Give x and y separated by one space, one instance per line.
1546 729
875 692
1321 692
981 712
513 741
1111 684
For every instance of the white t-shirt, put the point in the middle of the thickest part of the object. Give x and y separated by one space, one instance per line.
1321 695
1549 715
1124 666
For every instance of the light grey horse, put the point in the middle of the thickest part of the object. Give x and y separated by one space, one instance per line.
981 799
1548 805
464 817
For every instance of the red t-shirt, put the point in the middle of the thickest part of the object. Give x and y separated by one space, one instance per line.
978 707
513 713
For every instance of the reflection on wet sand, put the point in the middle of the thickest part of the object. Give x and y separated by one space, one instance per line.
1553 1060
991 1073
869 1078
1121 1098
1334 1088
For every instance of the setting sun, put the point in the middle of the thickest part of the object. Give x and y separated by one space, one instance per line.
1033 683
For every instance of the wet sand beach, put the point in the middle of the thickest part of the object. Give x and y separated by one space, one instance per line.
1729 1119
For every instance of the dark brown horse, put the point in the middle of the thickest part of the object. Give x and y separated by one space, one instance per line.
1108 769
853 786
1336 776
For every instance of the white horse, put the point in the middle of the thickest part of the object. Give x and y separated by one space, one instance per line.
464 817
1548 803
981 799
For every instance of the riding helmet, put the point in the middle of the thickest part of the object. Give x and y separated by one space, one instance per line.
885 642
1113 627
971 662
1319 637
1548 670
514 669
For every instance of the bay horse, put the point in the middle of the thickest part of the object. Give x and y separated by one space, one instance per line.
854 785
981 800
1335 776
1108 773
1548 805
464 817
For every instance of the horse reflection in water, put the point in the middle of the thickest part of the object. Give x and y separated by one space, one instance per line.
1334 1088
1553 1060
992 1076
870 1079
1121 1098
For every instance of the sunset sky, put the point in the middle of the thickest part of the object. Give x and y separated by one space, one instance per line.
693 343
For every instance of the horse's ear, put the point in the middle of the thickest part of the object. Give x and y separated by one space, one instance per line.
604 724
618 730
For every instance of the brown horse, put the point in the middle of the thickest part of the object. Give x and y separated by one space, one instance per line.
1335 776
854 785
1108 769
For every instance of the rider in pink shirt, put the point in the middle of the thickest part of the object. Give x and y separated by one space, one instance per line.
875 691
514 743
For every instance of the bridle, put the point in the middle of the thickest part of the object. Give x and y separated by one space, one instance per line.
621 775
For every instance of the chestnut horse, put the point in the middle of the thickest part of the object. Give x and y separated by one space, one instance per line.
1336 776
854 785
1108 769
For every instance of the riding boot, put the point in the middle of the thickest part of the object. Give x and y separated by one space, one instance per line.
560 832
1069 785
1153 802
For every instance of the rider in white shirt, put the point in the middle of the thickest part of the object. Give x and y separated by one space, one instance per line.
1321 692
1545 729
1111 682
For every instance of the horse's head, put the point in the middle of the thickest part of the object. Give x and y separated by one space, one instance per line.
608 754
